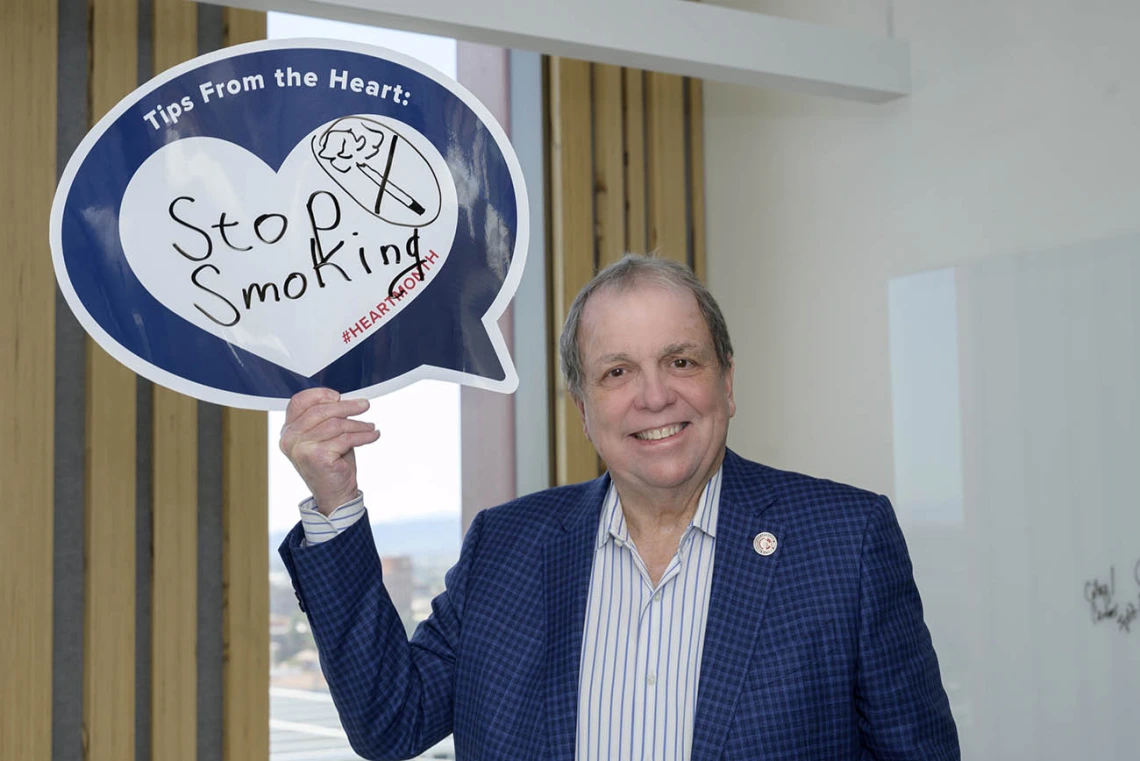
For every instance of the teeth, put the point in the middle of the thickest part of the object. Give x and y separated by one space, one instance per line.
660 433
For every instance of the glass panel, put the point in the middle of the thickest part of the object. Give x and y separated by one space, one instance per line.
410 478
411 483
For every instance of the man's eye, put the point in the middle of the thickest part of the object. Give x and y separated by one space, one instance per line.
616 372
682 364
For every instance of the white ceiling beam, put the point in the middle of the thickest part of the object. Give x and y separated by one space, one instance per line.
673 36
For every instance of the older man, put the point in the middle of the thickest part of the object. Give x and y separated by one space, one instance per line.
687 605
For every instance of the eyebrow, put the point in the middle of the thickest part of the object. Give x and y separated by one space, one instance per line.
686 347
606 359
681 348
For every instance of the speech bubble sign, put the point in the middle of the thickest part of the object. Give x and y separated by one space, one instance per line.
287 214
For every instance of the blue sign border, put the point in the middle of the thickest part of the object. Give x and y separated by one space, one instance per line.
449 332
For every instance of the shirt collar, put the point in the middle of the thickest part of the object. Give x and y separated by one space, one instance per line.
613 526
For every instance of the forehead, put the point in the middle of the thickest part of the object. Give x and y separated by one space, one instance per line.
642 318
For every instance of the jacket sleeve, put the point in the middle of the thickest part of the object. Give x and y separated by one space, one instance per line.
903 711
395 698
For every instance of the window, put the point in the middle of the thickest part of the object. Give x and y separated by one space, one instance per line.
411 483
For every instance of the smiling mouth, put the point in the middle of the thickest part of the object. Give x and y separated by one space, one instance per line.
656 434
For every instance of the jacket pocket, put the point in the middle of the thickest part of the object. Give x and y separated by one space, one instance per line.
791 650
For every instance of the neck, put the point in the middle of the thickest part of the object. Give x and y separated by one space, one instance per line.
657 511
647 515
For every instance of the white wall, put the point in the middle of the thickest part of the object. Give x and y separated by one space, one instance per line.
1021 134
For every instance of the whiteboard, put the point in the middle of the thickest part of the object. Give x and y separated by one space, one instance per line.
1017 473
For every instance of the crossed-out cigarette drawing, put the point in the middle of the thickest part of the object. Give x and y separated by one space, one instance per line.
385 173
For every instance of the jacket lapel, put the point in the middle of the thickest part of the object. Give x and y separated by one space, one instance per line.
567 567
741 581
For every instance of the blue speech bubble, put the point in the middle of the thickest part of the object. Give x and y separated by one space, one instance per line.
288 214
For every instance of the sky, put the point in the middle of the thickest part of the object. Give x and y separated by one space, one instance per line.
413 470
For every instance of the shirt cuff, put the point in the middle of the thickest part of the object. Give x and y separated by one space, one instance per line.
321 528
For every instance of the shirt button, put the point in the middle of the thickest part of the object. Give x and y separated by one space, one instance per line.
619 542
651 679
657 597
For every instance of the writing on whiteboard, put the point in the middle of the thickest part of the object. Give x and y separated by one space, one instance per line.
1103 604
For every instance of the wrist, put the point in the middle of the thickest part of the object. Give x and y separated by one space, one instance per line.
327 504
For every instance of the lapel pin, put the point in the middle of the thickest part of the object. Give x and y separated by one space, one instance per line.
764 543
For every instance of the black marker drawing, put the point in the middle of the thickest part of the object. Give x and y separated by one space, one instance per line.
1103 606
385 173
385 184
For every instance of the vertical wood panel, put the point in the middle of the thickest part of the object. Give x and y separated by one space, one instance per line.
609 164
28 33
245 551
665 162
174 586
245 516
70 441
211 596
174 608
572 242
175 33
634 115
108 652
244 26
696 167
109 658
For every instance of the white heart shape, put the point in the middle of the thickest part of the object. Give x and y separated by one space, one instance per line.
292 266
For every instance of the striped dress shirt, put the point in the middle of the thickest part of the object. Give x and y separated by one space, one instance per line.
320 527
642 645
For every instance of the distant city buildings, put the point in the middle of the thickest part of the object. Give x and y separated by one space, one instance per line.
400 583
412 581
415 557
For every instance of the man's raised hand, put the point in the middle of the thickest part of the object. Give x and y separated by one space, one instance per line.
319 438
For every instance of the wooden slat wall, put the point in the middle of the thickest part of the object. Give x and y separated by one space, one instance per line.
695 111
246 582
665 166
639 136
246 563
109 644
609 164
572 245
633 109
112 618
245 549
243 26
28 30
174 585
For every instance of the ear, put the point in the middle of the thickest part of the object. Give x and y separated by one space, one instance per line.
728 374
582 414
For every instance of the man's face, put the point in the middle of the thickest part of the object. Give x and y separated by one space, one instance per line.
655 402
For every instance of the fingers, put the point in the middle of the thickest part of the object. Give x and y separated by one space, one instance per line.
326 458
319 415
311 406
346 442
333 427
303 400
319 437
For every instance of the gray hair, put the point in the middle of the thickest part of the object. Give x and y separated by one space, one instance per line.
631 270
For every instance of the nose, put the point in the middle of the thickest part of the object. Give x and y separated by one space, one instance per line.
655 392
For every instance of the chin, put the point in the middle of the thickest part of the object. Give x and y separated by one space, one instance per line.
667 477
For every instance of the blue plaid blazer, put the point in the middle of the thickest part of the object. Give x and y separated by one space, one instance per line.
818 651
